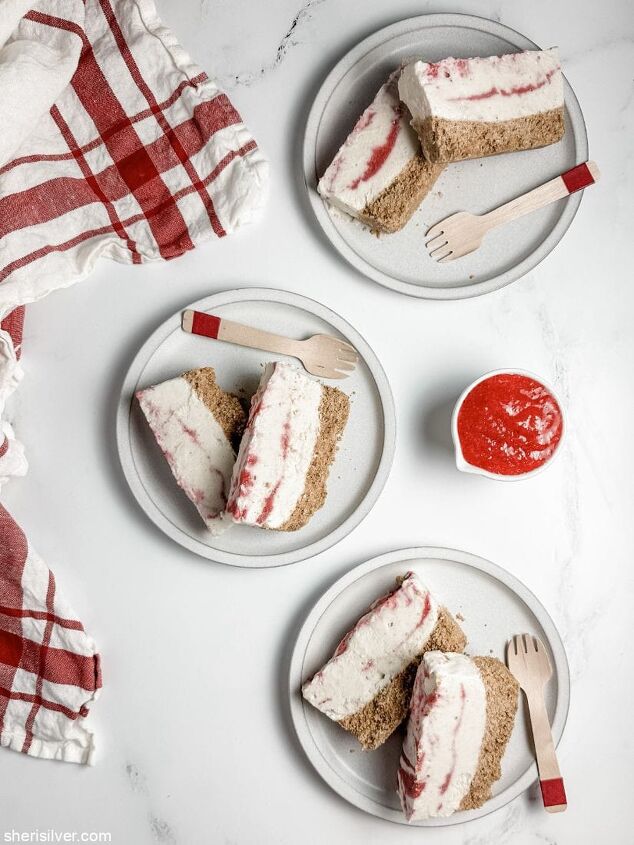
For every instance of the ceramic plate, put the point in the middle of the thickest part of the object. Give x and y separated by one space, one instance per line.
365 452
399 261
494 604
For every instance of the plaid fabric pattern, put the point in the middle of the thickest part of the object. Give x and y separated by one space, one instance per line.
13 324
141 158
49 668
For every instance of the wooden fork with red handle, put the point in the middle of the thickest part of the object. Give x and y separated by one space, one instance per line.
462 233
322 355
528 661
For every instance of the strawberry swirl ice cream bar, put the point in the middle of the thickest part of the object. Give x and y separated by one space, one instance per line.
367 683
462 713
195 424
380 175
294 425
467 108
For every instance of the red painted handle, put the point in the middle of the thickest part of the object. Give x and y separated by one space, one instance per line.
553 792
577 178
205 324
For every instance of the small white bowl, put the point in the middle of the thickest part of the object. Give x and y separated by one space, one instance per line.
464 466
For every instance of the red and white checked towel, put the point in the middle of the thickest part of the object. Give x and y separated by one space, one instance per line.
49 666
142 157
139 158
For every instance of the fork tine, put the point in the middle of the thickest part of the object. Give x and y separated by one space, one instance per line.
339 342
439 248
435 230
321 371
347 366
343 344
542 654
525 640
439 240
516 643
333 340
344 355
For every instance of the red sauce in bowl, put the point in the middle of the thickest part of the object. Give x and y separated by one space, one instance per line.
509 424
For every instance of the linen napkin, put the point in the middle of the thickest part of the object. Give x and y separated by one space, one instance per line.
33 73
139 158
142 157
49 666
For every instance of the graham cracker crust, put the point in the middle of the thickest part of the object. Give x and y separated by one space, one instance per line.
334 409
380 717
453 140
502 692
447 635
394 206
226 408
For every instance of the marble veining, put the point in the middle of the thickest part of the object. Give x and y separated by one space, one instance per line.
161 830
290 39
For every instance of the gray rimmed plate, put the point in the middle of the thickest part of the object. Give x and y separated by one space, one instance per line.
399 261
365 452
494 604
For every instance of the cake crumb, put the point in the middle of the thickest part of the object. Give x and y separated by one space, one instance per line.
445 140
334 410
502 692
460 617
394 206
225 407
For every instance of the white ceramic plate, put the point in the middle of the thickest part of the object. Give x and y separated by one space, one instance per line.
495 605
399 261
362 463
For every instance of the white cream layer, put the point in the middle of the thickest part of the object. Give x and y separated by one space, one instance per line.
379 647
490 90
381 144
194 444
444 736
277 447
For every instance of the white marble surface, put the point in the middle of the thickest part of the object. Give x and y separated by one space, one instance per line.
194 740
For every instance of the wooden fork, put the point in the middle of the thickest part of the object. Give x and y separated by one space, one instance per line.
462 233
528 661
322 355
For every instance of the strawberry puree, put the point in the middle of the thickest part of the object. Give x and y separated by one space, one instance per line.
268 505
379 154
509 424
411 787
516 91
